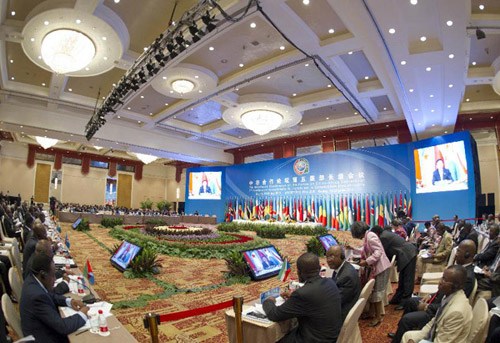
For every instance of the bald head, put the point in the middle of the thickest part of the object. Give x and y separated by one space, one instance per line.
43 246
39 231
335 256
307 266
465 252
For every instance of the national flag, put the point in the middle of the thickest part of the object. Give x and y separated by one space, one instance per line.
346 213
387 213
367 209
405 204
381 211
372 211
409 208
66 241
284 271
88 273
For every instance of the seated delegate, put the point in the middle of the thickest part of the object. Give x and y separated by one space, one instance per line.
316 305
39 305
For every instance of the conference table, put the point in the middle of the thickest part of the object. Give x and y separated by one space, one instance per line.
257 331
118 333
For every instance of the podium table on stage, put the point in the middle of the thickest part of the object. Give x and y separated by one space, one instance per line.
256 331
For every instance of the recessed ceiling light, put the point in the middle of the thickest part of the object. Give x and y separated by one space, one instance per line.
78 21
13 13
329 86
433 125
305 2
294 94
349 53
327 118
367 77
46 22
166 104
428 69
70 89
87 68
32 39
403 62
21 126
200 91
410 90
419 124
12 78
164 77
211 48
413 2
423 39
43 84
105 58
103 97
474 63
481 7
431 96
450 85
449 106
196 76
268 77
331 31
150 113
282 47
128 108
392 30
432 111
145 48
138 122
253 25
118 117
241 65
117 1
355 112
467 100
446 132
142 96
306 65
171 92
449 23
451 56
385 108
416 109
11 61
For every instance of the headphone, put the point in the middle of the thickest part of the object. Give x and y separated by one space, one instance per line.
42 273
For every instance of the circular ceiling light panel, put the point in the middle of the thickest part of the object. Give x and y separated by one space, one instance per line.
185 81
262 113
74 42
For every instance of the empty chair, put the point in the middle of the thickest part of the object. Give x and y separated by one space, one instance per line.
15 283
16 257
350 329
480 322
11 315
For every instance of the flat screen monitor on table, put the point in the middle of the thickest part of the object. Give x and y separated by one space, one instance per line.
263 262
327 241
76 223
124 255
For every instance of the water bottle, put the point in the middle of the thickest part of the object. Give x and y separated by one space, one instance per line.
81 291
68 264
94 323
103 325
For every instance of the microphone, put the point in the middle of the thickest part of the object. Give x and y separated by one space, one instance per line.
89 298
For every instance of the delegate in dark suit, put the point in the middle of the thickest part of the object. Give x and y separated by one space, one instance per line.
349 285
487 256
436 176
316 305
406 258
40 316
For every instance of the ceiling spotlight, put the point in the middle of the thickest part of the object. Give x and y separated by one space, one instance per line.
480 34
305 2
392 31
449 23
413 2
253 25
450 56
423 39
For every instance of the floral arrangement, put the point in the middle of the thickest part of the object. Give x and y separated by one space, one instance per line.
130 227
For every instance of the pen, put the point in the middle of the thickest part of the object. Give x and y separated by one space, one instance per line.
79 333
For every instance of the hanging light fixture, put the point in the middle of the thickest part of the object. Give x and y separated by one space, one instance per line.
261 121
66 51
46 142
145 158
182 86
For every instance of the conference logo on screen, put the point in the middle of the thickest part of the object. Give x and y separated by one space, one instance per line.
301 166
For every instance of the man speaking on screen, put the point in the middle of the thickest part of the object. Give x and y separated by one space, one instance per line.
316 305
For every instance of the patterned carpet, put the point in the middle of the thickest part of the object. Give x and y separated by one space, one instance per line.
188 273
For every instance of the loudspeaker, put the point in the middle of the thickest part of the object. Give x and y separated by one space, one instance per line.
481 200
491 199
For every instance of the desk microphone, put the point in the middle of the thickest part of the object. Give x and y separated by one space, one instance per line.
89 298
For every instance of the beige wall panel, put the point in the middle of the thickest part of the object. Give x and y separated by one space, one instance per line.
124 191
83 189
42 182
149 187
490 176
16 177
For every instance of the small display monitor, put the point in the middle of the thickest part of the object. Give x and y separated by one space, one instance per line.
327 241
124 255
263 262
76 223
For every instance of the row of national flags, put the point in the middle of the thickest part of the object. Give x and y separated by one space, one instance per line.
336 211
